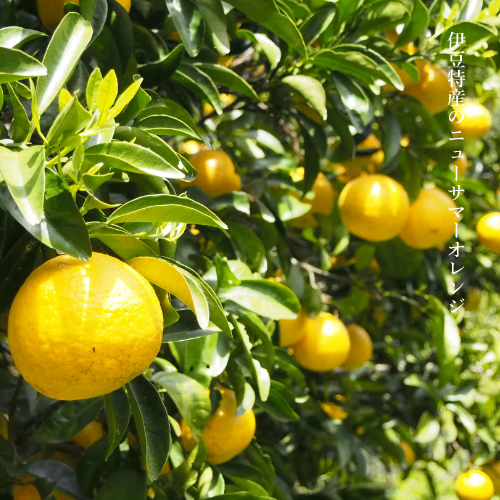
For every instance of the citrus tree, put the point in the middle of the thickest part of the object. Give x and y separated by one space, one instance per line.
248 249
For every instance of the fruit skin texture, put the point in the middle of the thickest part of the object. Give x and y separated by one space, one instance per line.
374 207
92 327
474 485
325 345
493 471
26 491
488 231
433 88
88 435
431 223
226 435
476 121
361 347
51 12
216 173
293 330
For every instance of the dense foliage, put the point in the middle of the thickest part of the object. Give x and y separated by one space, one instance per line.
100 125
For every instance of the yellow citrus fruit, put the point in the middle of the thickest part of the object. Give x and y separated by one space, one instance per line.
408 451
226 435
334 411
433 88
431 222
374 207
293 330
226 60
493 471
191 147
88 435
79 329
473 299
325 345
352 168
216 173
488 231
361 348
460 166
51 12
26 491
474 485
410 48
476 121
226 99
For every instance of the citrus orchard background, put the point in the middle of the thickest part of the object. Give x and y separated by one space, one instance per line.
276 176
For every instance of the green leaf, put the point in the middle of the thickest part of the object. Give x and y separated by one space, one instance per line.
24 174
190 397
68 420
264 44
446 339
398 259
13 37
277 406
162 70
265 298
248 245
188 20
473 33
107 93
428 429
199 83
420 18
62 226
153 428
63 53
384 14
71 120
317 23
21 126
17 65
310 89
124 99
131 158
118 412
240 495
228 78
213 13
355 303
466 419
164 208
92 91
15 267
125 483
268 15
96 12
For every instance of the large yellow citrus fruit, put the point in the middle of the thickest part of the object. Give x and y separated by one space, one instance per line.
361 348
433 88
26 491
88 435
474 485
476 121
374 207
431 222
226 435
325 345
79 329
488 231
51 12
493 471
293 330
216 173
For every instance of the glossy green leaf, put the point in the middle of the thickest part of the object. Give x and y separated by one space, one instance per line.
17 65
118 412
383 15
162 70
166 208
265 298
92 91
228 78
151 420
213 13
107 93
62 226
420 18
24 174
310 89
63 53
473 34
71 120
13 37
96 12
131 158
190 397
126 483
317 23
21 126
263 43
189 22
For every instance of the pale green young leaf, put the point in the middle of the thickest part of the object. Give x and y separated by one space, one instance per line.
124 99
20 127
64 98
92 91
107 93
